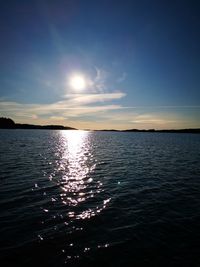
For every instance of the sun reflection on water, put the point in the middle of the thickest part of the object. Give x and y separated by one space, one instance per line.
76 166
77 190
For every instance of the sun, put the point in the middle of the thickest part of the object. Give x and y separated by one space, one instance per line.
77 82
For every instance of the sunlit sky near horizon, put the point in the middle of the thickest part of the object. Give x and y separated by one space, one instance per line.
101 64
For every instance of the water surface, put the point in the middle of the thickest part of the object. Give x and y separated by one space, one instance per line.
78 198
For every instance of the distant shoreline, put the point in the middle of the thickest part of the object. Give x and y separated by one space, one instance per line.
7 123
37 127
192 130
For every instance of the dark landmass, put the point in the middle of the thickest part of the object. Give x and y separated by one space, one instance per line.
6 123
192 130
107 130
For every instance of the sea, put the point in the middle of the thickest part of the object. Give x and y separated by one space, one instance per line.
88 198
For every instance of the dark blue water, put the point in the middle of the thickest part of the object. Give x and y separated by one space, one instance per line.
74 198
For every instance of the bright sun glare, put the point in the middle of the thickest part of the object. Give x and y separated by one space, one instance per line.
77 82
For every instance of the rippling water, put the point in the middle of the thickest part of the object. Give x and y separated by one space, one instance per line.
78 198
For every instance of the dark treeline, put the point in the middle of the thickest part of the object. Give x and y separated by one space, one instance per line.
7 123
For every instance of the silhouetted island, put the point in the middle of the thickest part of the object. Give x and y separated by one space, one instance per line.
7 123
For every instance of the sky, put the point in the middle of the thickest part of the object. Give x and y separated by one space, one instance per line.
139 62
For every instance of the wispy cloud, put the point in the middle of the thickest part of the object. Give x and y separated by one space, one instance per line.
73 105
92 113
164 107
92 98
98 84
122 77
151 119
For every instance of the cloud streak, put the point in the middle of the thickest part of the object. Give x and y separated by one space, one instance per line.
97 111
72 106
93 98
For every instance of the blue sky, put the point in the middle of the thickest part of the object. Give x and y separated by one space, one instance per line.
140 61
